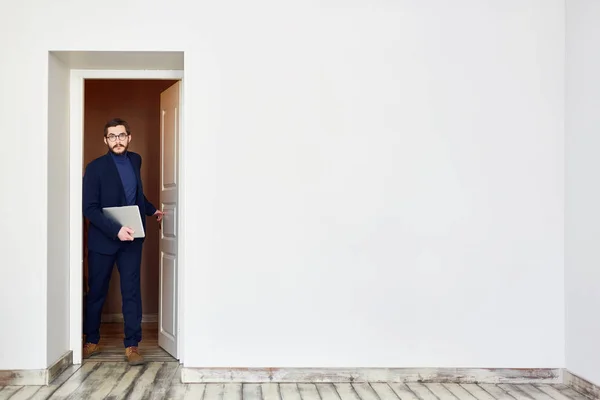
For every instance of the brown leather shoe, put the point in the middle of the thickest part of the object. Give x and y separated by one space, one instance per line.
89 349
133 356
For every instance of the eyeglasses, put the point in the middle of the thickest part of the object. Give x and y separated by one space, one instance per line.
121 137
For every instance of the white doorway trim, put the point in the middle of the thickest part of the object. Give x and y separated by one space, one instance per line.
76 109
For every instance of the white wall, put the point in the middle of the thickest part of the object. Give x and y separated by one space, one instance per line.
582 277
58 207
23 179
369 184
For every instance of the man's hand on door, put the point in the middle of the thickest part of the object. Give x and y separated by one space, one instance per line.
159 215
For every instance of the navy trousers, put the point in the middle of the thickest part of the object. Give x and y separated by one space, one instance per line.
100 267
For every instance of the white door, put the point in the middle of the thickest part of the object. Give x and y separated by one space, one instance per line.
169 134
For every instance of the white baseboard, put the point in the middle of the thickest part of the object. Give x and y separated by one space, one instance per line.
339 375
36 377
119 318
581 385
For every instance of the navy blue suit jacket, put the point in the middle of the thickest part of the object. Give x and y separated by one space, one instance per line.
102 187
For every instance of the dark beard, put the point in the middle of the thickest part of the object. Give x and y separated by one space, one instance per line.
111 149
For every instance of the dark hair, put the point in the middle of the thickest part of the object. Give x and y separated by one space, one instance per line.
116 122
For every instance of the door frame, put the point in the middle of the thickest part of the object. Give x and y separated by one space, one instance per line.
76 118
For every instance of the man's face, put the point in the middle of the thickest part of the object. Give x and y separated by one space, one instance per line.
117 139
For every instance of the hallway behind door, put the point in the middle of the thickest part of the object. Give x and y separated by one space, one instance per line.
138 102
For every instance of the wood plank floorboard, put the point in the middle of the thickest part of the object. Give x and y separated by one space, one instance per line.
161 380
113 350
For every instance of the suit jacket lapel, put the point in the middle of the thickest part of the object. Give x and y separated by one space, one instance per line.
115 177
136 170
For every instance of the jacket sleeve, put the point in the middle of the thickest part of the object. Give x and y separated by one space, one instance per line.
91 205
150 209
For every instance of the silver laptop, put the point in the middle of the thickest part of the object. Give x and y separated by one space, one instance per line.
128 216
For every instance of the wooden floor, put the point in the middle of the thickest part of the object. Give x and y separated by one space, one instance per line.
161 380
112 349
108 376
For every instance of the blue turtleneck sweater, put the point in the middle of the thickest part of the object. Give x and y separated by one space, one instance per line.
127 177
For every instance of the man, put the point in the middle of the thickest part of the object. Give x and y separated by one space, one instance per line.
114 180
